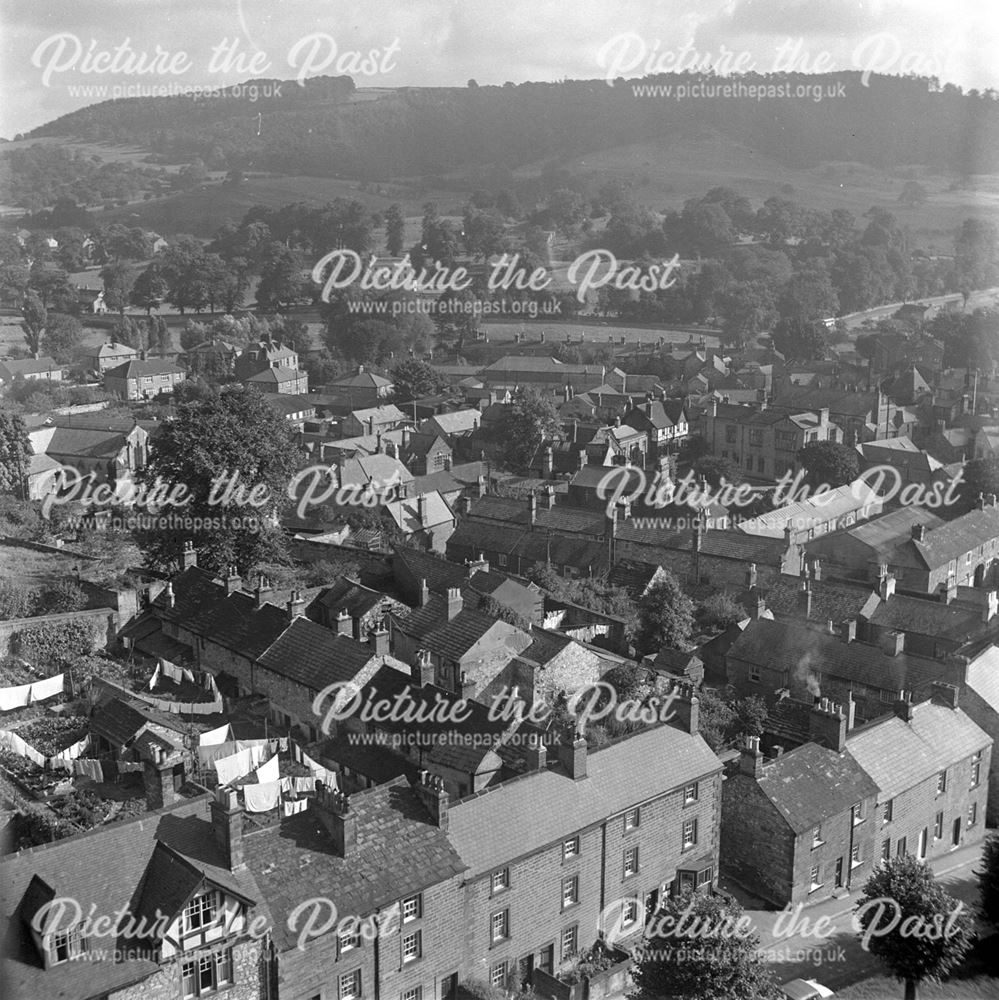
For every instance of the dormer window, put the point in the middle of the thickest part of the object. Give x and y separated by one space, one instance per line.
201 911
65 946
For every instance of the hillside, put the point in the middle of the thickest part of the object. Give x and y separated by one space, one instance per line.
329 129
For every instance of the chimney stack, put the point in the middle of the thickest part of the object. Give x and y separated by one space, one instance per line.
751 576
421 510
296 605
170 597
233 582
188 556
903 706
344 626
263 591
378 639
947 693
424 595
227 826
572 754
948 590
750 758
432 793
157 779
918 532
536 754
454 603
424 671
886 583
532 508
827 725
848 630
547 463
685 707
334 812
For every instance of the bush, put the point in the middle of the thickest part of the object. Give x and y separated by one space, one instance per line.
60 643
61 598
16 601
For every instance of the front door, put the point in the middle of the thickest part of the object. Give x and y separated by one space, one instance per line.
956 837
546 958
923 836
449 987
839 873
525 970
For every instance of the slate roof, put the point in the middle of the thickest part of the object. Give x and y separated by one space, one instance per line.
883 533
389 413
399 853
955 621
117 720
277 375
142 369
813 511
362 380
346 595
454 638
85 442
238 624
788 720
405 513
105 868
812 784
898 754
440 574
839 401
954 538
830 601
28 366
785 646
548 804
457 422
377 470
314 656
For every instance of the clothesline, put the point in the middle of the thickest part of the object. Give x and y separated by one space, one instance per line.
26 694
11 741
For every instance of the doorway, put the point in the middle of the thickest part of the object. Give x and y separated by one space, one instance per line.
956 835
839 873
449 987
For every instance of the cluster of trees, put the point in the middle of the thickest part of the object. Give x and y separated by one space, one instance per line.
60 597
39 175
803 265
417 133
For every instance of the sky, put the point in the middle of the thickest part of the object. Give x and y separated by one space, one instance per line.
55 54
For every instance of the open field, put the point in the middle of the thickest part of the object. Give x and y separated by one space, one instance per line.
32 568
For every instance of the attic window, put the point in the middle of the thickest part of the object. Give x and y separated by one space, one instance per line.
201 911
66 946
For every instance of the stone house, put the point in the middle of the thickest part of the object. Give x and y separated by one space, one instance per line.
813 808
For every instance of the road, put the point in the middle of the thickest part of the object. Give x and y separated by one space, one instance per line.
985 297
835 957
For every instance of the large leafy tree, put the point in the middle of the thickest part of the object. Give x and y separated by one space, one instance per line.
414 379
15 453
829 463
980 477
908 891
699 956
149 289
63 336
36 316
525 426
233 431
799 339
395 230
118 280
665 616
282 278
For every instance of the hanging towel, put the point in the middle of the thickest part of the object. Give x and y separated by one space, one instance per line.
187 675
47 688
261 798
87 767
155 677
269 771
14 697
230 768
305 784
287 784
292 806
128 766
215 736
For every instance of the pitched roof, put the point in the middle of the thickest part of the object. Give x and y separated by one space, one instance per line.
406 513
440 574
820 509
238 624
377 470
618 776
399 852
456 422
362 380
142 369
454 638
884 532
104 869
831 601
388 413
85 442
796 648
28 366
955 538
315 657
926 616
276 375
898 754
812 784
